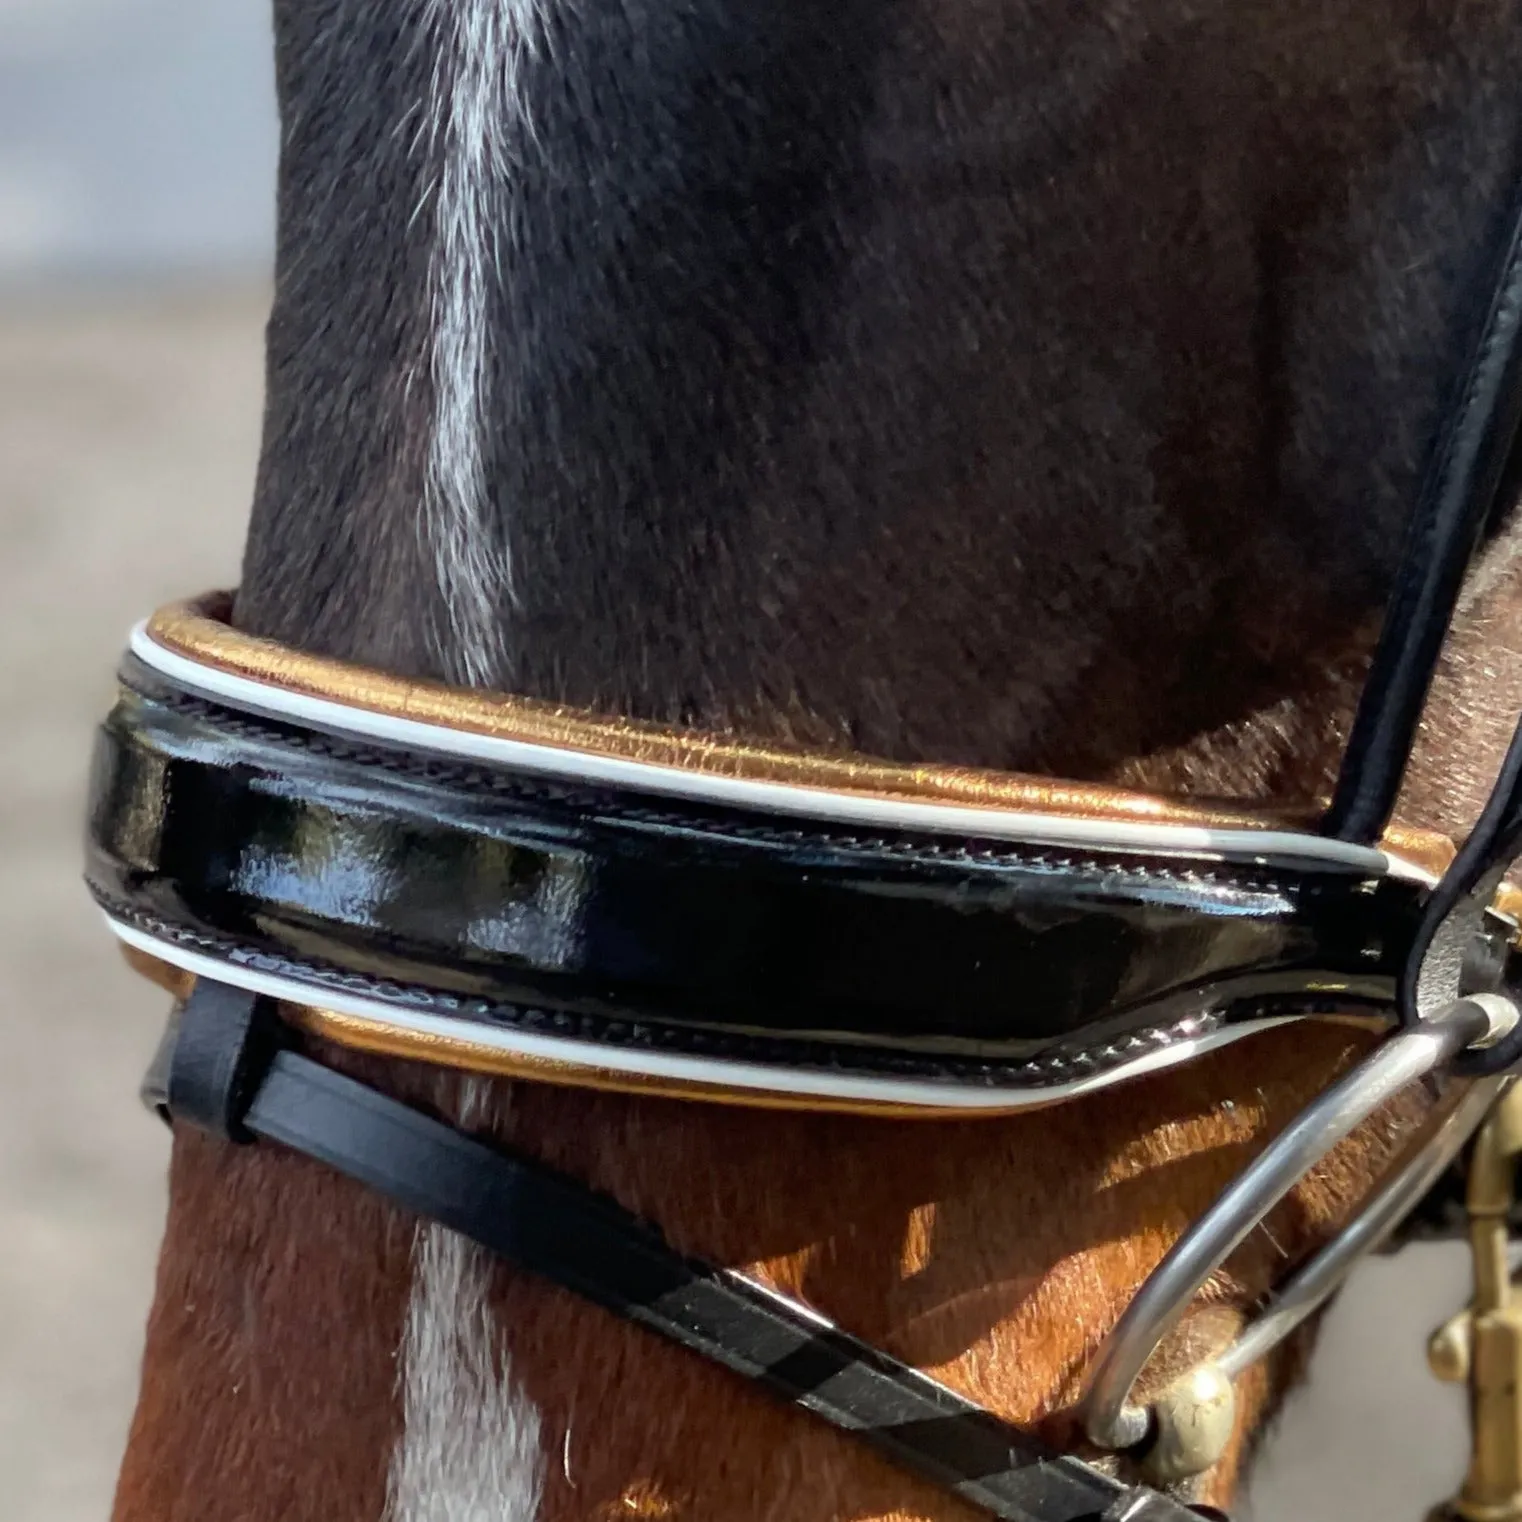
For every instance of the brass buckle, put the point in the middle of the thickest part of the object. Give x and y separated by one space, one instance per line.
1482 1345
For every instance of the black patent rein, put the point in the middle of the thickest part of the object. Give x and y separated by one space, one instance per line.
231 1072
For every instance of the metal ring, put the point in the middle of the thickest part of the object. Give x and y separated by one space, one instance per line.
1109 1418
1311 1286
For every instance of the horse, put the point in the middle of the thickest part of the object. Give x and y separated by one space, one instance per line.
1028 387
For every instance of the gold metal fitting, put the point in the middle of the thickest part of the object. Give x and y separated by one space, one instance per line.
1195 1420
1482 1346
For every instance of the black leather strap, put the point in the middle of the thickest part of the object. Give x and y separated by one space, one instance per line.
229 1074
1458 499
1454 951
221 1055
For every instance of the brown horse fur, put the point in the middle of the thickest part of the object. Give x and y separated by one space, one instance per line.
1030 384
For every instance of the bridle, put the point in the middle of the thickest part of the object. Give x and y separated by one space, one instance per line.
299 846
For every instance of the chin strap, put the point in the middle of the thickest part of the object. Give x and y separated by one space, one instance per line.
228 1070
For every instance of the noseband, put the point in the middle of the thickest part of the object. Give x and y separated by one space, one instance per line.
296 845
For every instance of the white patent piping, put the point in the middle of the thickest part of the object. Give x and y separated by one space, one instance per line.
1259 847
925 1093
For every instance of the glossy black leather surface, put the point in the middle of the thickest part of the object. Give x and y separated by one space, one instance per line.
614 916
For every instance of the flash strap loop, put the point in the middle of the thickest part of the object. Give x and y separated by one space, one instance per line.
226 1041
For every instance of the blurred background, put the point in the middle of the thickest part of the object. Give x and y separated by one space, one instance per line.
137 159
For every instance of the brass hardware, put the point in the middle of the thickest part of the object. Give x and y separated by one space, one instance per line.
1448 1349
1483 1344
1195 1420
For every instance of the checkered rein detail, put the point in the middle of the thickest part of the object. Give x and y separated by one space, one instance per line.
230 1072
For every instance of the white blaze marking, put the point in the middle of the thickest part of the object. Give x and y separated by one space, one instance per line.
470 1448
479 127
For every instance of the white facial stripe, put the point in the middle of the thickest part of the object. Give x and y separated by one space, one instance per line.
480 130
470 1444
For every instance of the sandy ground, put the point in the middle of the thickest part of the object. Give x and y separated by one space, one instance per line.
128 428
127 439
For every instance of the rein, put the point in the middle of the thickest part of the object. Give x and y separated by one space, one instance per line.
500 886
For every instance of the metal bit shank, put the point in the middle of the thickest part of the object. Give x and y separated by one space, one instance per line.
1483 1345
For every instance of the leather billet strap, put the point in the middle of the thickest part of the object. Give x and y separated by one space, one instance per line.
1469 484
1462 497
1452 924
231 1072
427 898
